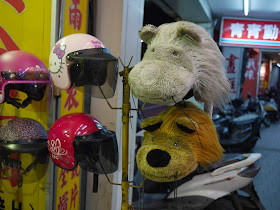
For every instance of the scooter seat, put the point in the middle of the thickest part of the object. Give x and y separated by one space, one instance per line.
245 119
163 187
229 158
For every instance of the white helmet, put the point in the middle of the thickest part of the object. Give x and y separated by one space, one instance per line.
82 59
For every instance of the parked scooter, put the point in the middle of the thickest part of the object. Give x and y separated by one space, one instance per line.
217 187
271 108
238 129
270 102
257 106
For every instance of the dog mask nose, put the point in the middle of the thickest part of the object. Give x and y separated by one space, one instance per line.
158 158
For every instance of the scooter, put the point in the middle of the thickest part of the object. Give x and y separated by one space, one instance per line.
270 101
271 108
217 187
238 130
258 107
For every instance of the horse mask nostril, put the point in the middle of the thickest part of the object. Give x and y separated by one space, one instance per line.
158 158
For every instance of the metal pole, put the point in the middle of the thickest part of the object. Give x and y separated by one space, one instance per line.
125 137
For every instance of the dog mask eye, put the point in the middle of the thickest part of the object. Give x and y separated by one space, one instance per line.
153 127
185 129
186 125
152 123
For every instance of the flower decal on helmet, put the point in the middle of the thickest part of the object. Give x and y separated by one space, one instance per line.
54 147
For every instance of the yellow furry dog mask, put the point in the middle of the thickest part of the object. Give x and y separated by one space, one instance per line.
181 58
176 142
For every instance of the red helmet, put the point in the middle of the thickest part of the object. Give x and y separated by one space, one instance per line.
25 72
81 139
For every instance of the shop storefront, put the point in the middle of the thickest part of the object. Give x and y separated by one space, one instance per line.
35 28
248 46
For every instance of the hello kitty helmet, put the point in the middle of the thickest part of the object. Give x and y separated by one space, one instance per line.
81 59
23 71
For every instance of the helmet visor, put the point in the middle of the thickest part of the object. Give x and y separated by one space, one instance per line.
95 67
22 93
24 168
97 152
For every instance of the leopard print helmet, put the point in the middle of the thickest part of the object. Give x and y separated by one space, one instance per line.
23 135
23 151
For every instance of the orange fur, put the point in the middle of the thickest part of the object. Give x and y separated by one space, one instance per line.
186 149
206 147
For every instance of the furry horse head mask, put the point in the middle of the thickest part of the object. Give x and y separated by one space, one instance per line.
176 142
181 57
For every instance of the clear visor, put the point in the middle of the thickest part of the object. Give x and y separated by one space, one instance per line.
97 152
24 168
21 95
21 88
96 68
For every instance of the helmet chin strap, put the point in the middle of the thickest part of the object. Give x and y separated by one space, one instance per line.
15 102
17 164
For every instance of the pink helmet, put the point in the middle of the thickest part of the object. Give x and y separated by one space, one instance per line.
25 72
81 59
81 139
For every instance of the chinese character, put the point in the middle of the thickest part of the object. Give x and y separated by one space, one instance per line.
249 74
75 173
18 5
63 201
231 66
2 206
232 83
74 193
62 177
251 63
7 41
19 206
270 32
236 29
253 30
75 15
71 100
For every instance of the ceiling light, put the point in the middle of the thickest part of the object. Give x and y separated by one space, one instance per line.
278 64
246 7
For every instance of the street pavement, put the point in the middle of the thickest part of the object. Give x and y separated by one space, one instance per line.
267 182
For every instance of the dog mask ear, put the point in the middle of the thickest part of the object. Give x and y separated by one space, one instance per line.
188 32
186 125
147 33
152 123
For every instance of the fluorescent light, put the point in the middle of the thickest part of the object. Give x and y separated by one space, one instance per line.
246 7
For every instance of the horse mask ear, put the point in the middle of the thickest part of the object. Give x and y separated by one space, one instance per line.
147 33
188 32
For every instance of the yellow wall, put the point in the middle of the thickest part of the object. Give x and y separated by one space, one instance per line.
27 24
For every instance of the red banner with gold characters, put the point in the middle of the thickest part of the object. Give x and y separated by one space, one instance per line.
25 25
251 73
72 101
